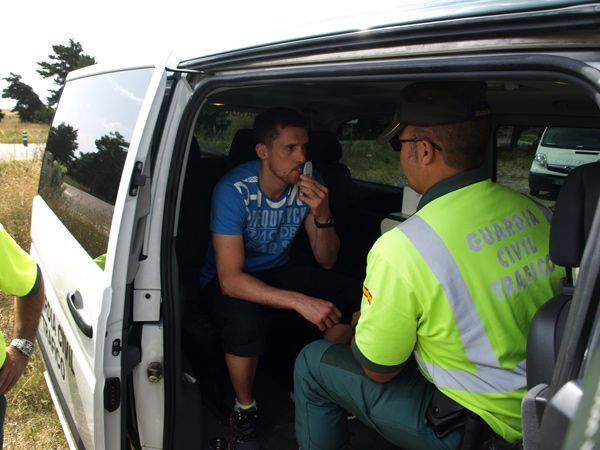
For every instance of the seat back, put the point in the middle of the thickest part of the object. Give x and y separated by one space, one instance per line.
325 151
571 222
570 228
243 147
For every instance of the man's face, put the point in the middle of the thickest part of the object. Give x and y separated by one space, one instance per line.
287 154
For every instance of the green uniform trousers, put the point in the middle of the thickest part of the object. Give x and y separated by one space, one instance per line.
328 381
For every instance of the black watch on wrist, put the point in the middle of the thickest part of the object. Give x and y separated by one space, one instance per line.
327 224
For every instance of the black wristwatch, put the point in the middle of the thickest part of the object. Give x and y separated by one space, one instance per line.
327 224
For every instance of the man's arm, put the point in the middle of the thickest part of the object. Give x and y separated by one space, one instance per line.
234 282
324 242
28 311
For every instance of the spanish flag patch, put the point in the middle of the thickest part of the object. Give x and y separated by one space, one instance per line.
367 294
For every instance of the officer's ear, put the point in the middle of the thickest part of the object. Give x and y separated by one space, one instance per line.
426 152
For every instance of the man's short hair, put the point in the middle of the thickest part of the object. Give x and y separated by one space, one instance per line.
268 123
463 144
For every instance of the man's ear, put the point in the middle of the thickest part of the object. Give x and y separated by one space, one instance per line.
426 152
261 150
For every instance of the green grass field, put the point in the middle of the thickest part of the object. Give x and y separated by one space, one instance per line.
31 421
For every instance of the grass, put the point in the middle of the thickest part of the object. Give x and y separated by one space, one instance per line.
31 421
11 129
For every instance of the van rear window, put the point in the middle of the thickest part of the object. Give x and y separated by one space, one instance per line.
86 150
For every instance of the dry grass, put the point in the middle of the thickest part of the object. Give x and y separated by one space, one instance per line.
31 422
11 129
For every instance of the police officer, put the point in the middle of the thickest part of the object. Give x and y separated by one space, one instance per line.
20 276
448 296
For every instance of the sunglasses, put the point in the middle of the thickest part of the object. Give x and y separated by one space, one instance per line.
396 143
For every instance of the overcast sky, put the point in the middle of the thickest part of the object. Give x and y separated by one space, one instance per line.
114 31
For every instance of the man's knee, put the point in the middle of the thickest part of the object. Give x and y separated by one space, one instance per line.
310 356
244 338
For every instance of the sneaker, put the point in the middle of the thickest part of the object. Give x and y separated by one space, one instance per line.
243 424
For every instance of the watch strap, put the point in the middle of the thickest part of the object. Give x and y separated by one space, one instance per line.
25 346
327 224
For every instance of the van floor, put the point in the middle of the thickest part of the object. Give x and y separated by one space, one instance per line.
276 426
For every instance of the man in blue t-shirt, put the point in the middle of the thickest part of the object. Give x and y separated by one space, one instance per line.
257 209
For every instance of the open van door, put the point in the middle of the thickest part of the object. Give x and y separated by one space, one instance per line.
87 231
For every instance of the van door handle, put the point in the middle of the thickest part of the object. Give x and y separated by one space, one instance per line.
75 303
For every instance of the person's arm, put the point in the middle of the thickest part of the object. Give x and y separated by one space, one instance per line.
386 328
234 282
324 242
28 311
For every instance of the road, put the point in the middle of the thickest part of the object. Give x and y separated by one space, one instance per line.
89 206
10 152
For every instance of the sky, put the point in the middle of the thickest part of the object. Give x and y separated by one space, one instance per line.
117 31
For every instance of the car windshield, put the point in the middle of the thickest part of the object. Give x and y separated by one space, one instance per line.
573 138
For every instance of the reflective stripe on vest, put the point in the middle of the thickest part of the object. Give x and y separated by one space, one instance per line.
490 376
545 211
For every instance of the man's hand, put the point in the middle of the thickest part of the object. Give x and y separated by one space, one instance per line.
12 369
316 196
322 313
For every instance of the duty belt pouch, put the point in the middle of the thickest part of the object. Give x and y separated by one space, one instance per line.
445 415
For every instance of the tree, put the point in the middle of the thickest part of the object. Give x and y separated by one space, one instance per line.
66 59
1 115
29 106
101 171
62 143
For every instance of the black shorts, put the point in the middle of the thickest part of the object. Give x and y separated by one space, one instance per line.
244 324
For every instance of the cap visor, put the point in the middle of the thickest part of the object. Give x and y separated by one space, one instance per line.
387 134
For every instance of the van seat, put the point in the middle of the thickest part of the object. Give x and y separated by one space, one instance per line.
571 222
325 151
242 148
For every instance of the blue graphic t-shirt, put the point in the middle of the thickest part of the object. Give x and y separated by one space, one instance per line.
267 225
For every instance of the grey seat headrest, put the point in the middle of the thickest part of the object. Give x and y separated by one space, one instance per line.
577 202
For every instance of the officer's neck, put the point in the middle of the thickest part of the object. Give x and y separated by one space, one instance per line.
434 175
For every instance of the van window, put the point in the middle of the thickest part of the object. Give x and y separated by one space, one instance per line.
217 125
366 159
86 150
515 147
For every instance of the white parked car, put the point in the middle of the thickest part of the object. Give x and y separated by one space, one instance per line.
560 150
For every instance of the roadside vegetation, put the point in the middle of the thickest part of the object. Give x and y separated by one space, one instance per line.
31 421
11 130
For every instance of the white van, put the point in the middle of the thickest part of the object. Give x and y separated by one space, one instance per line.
120 225
560 150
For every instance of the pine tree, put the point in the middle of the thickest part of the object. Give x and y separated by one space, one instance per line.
65 59
29 106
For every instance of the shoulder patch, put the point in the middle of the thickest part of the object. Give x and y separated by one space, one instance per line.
367 294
